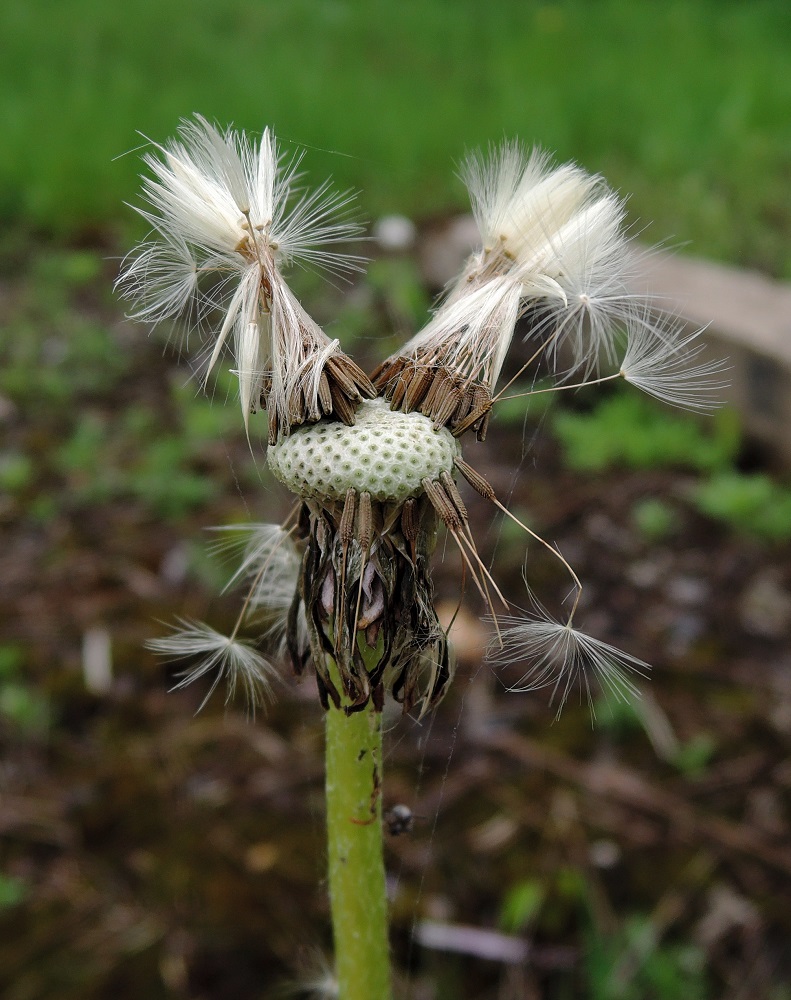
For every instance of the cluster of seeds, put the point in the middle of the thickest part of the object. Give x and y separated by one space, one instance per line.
341 387
435 390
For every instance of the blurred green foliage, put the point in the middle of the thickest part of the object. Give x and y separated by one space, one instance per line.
655 519
625 961
102 464
12 891
521 905
752 504
683 104
517 405
21 704
16 471
633 963
628 430
95 431
693 757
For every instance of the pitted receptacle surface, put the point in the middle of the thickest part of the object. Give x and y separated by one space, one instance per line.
385 453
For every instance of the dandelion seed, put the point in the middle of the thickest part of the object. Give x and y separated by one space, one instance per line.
592 265
660 358
562 658
471 335
270 566
232 660
560 231
316 980
517 199
161 277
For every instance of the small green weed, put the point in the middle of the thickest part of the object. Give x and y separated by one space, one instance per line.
655 520
16 472
694 756
23 706
629 962
752 504
630 431
11 658
633 964
12 891
20 704
619 719
521 905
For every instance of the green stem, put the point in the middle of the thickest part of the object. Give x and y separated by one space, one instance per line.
356 864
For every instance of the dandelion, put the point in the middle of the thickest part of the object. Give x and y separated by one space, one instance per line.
344 588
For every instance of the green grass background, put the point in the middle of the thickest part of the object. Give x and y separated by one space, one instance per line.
685 105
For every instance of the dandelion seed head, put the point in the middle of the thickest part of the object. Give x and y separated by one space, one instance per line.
373 462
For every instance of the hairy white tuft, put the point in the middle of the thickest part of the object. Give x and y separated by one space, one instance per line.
560 231
161 277
269 565
590 259
472 331
562 658
316 980
227 214
518 199
229 658
660 359
553 251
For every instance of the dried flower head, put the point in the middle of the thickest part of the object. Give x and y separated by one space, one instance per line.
345 585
